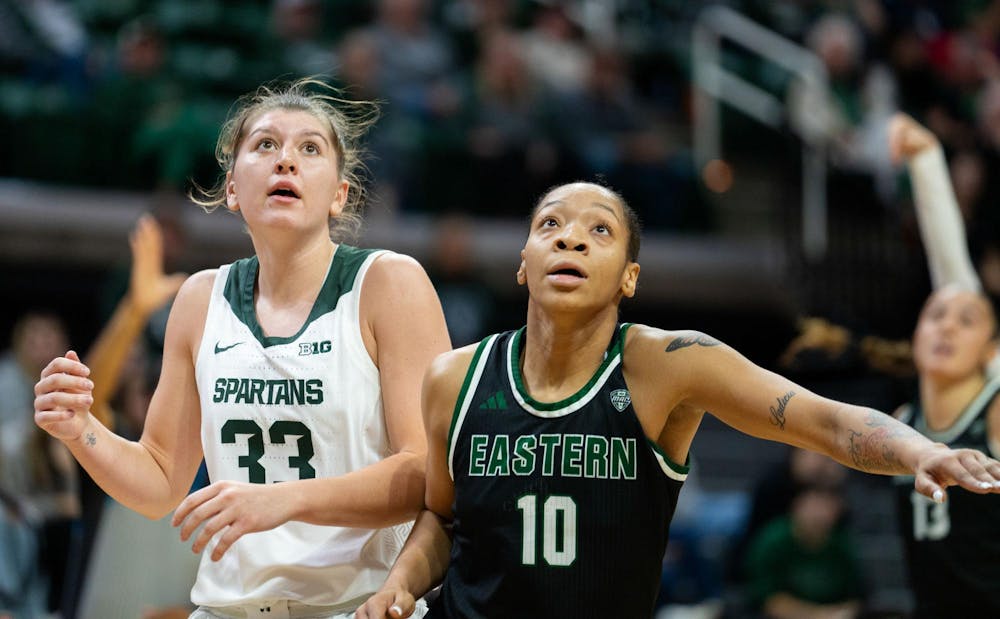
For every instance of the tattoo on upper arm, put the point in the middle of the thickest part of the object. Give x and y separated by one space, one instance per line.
683 341
91 439
778 411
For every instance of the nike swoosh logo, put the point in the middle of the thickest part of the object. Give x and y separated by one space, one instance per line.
219 349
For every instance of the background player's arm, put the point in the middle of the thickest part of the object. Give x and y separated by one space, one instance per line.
938 215
706 374
152 475
424 559
149 290
401 319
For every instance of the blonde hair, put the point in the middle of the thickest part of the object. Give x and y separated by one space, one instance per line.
348 121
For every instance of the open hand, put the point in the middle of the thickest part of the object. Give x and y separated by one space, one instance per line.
150 288
236 508
907 137
940 467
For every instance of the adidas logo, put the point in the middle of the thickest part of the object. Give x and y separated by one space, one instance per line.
495 402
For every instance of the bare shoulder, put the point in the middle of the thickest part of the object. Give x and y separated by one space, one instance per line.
645 340
392 269
188 314
448 370
443 384
193 297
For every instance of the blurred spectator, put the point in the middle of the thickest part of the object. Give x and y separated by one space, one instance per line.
472 21
851 118
45 40
803 564
417 80
35 470
775 491
22 590
299 27
554 51
133 93
467 301
511 161
613 135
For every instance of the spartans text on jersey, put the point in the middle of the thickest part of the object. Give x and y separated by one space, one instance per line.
289 391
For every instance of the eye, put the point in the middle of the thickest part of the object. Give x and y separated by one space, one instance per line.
310 148
266 144
602 229
549 222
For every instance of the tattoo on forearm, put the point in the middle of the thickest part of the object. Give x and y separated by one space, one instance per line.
778 411
683 341
872 451
91 439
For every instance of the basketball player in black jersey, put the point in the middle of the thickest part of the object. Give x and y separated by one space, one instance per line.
556 451
952 548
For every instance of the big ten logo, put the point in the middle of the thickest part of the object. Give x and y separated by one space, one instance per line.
315 348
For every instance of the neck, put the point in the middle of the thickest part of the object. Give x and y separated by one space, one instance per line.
293 272
562 352
943 401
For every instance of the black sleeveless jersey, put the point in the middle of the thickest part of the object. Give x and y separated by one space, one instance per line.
953 548
561 509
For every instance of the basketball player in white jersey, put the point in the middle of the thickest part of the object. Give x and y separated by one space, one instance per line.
300 365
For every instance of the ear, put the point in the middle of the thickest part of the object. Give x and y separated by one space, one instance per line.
232 203
630 279
522 277
340 199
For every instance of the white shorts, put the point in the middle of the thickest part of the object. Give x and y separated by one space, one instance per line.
283 609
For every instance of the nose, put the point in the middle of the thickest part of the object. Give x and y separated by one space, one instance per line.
571 239
285 162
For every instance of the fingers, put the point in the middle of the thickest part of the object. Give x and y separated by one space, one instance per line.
192 501
927 486
977 471
208 509
403 607
227 539
968 468
62 389
70 364
397 605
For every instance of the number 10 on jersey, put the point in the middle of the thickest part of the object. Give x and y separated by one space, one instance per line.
556 531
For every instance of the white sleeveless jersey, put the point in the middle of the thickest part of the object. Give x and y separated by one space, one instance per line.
276 409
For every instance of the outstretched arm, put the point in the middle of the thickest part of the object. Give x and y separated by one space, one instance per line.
149 290
938 215
709 375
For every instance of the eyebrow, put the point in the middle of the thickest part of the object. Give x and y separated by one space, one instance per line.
304 133
597 204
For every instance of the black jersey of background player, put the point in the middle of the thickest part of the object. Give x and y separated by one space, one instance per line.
561 509
953 548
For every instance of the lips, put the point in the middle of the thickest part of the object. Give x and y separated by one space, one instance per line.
284 190
566 274
568 269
